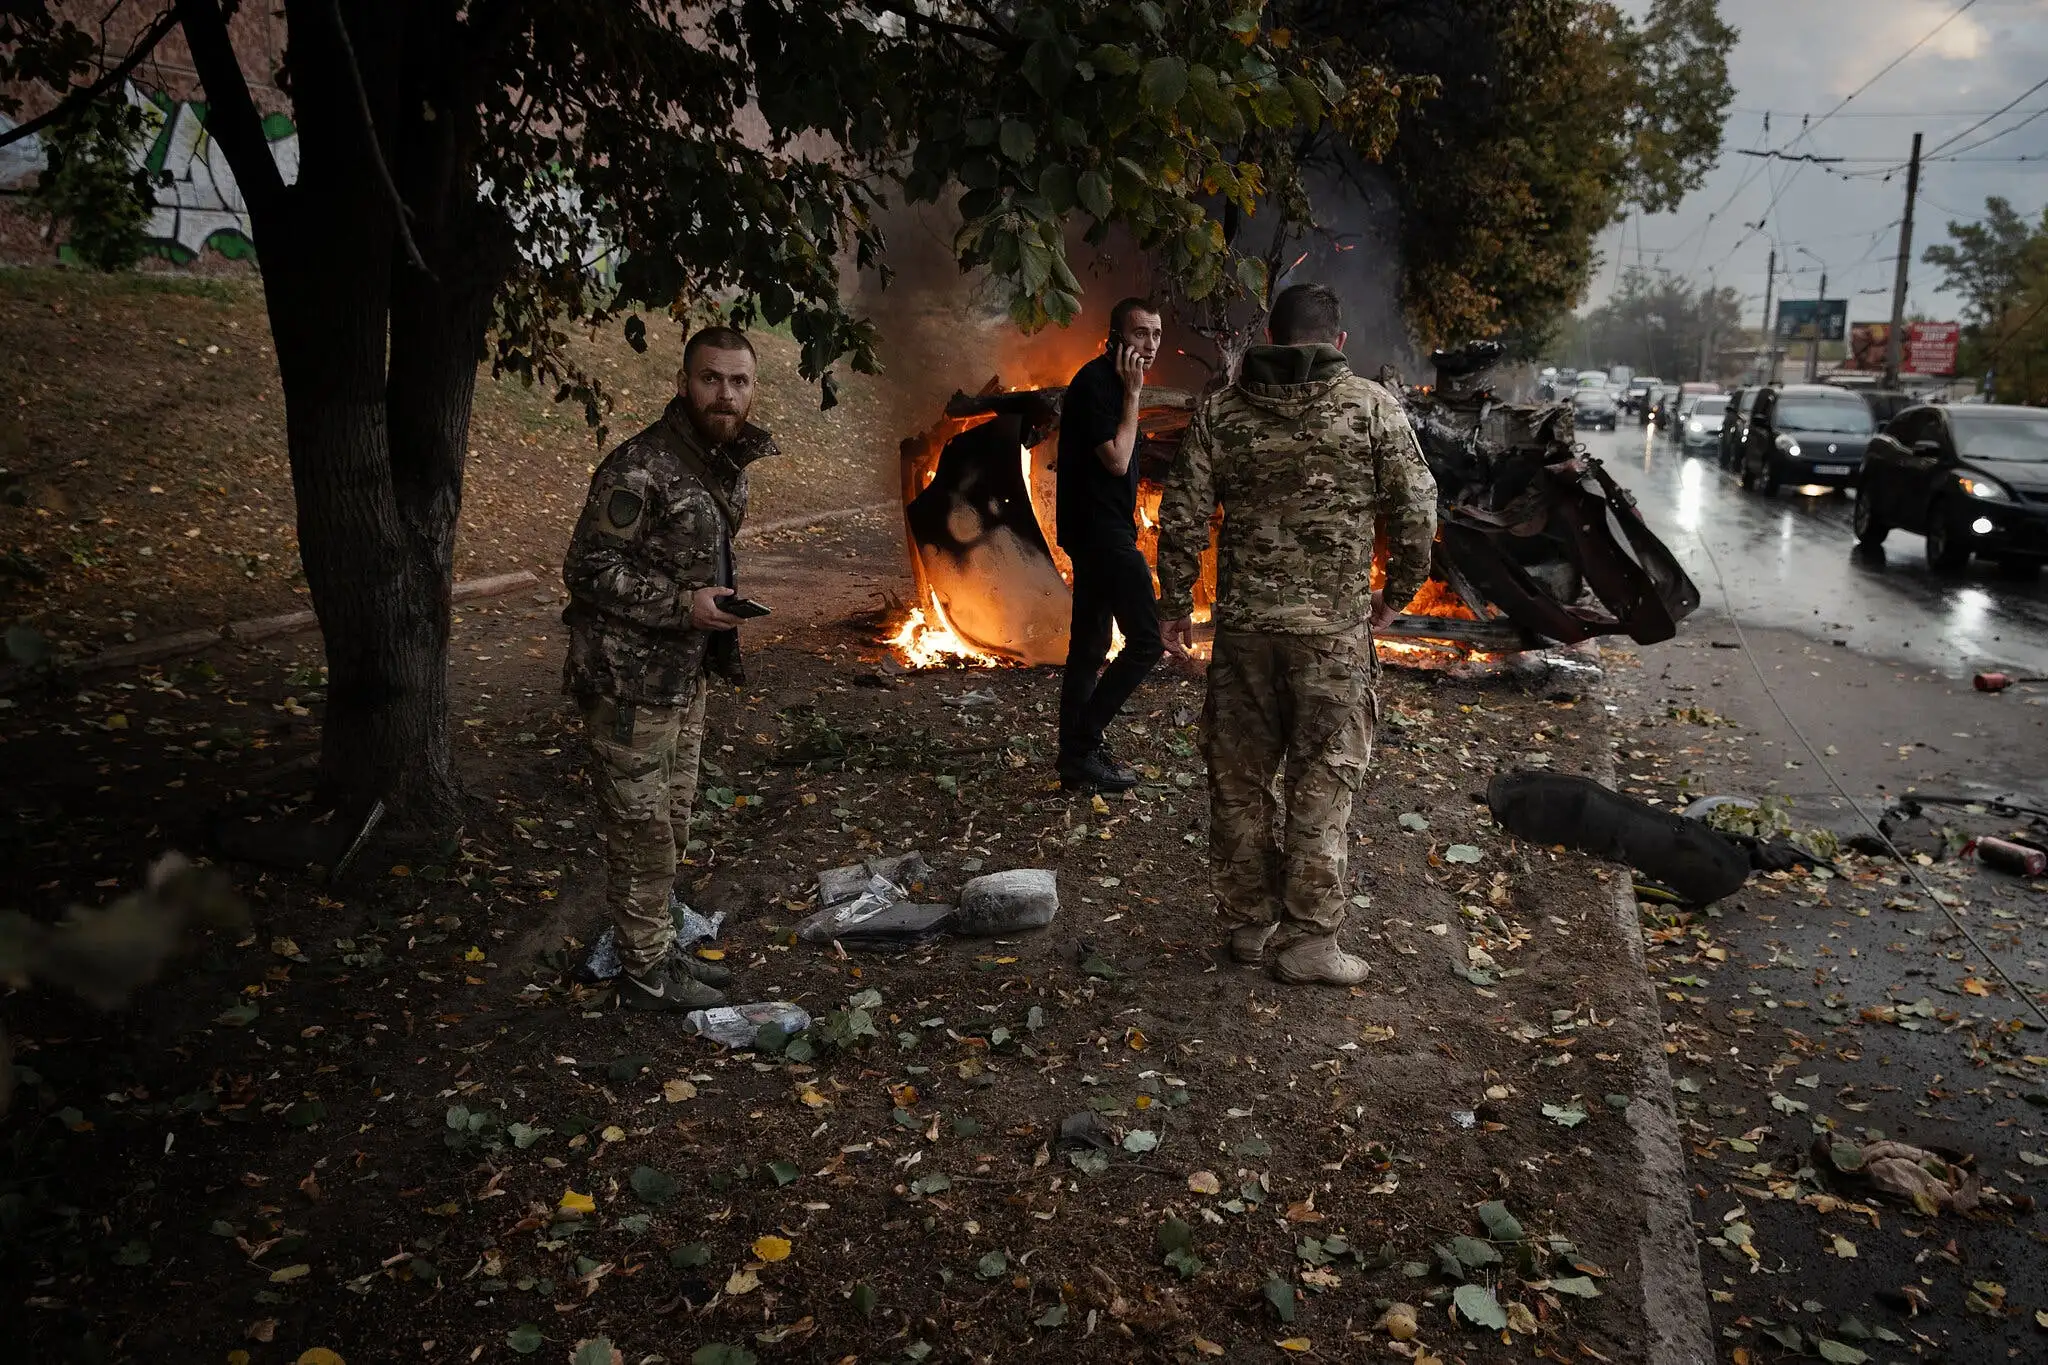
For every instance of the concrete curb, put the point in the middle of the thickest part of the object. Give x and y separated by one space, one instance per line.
265 627
1667 1248
815 519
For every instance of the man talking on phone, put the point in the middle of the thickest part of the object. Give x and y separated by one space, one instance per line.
1097 526
652 613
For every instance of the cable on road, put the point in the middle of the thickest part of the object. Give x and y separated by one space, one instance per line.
1911 867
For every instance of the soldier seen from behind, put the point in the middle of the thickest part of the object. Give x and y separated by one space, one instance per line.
648 568
1097 522
1306 459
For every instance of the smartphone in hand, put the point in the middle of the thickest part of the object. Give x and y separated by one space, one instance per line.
742 607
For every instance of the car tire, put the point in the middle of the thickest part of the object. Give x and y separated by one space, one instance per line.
1947 551
1773 476
1870 532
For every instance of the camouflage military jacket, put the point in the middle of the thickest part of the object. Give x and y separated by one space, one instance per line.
651 534
1305 457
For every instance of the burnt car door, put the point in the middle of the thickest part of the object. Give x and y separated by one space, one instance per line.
1756 432
1877 483
1926 452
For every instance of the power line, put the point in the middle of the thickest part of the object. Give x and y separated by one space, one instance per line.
1957 154
1958 137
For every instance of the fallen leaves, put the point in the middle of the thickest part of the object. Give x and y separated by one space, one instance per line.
771 1249
676 1091
575 1204
1205 1182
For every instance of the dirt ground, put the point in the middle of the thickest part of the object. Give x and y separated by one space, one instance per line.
383 1123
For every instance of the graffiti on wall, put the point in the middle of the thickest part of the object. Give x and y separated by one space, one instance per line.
198 204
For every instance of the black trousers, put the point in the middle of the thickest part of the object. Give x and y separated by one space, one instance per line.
1111 584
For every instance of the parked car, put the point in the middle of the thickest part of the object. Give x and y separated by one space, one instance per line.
1805 434
1973 480
1594 408
1700 427
1733 422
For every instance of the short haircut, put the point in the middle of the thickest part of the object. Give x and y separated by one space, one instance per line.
1305 313
1120 316
718 339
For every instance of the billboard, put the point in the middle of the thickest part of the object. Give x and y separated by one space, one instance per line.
1929 347
1796 319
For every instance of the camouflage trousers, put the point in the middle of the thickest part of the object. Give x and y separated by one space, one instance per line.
643 763
1301 706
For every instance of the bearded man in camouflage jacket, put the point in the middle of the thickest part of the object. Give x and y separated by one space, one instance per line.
649 564
1306 459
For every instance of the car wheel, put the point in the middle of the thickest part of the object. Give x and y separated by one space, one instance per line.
1773 476
1869 530
1947 551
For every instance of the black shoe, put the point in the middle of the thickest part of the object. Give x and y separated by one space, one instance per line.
665 991
1096 771
683 958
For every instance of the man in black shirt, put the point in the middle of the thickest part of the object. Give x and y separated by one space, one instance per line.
1097 527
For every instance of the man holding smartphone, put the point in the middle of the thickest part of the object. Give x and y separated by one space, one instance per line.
650 575
1097 526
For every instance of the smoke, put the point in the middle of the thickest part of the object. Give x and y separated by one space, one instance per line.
943 329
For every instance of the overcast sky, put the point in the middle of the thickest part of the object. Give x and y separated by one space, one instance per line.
1799 58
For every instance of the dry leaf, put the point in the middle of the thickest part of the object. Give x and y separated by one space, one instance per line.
1399 1321
1207 1347
675 1092
742 1282
1975 987
613 1133
1205 1182
771 1249
263 1329
319 1355
575 1203
1295 1344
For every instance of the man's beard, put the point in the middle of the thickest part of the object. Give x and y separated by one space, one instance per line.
719 424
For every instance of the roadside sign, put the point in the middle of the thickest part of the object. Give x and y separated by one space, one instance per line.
1930 347
1796 319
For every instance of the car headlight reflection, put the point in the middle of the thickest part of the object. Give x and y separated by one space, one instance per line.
1990 490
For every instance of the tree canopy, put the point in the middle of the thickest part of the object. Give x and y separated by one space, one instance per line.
1998 265
1546 119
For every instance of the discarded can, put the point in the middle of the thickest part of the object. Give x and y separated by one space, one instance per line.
2007 856
740 1025
1998 682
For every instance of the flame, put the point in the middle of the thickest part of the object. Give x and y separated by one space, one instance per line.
1438 598
926 639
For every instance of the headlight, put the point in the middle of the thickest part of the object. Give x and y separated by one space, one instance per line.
1990 490
1695 426
1788 445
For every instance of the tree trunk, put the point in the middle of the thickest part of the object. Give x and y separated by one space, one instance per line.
378 359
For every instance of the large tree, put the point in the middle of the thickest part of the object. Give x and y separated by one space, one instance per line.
1543 120
463 162
1656 324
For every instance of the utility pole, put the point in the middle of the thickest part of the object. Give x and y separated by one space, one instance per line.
1770 372
1813 350
1895 339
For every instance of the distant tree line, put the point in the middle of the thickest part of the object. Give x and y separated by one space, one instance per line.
1654 323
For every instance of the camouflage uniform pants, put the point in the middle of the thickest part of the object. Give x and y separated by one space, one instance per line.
643 763
1301 705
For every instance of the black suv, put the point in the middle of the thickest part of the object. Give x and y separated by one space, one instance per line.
1972 478
1805 434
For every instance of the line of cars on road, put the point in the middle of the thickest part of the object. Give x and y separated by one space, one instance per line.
1971 478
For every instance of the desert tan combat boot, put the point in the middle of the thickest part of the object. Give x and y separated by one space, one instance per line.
1318 960
1248 943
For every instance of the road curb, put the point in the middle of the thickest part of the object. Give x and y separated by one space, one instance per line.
1667 1248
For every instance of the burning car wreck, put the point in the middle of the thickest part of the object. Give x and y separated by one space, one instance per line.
1537 545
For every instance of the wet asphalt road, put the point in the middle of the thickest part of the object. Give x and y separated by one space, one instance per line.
1792 1009
1789 561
